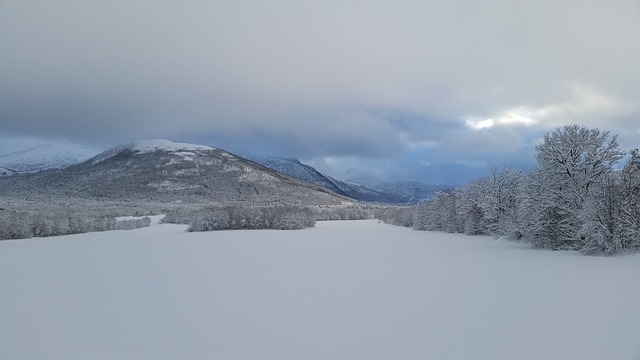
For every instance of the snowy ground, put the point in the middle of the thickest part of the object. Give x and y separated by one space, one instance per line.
342 290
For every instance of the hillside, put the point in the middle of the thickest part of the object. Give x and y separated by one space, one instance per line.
406 191
298 170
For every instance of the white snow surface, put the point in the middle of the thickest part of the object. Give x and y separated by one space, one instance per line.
341 290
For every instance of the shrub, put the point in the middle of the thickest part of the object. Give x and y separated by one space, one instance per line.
235 217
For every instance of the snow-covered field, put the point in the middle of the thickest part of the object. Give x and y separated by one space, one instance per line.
342 290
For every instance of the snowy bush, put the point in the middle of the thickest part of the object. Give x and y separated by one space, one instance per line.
14 225
396 215
237 217
286 219
210 219
179 216
131 224
25 224
349 212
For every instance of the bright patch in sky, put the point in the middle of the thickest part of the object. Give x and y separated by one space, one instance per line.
480 124
507 118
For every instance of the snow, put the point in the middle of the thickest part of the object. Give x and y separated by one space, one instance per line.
29 154
145 146
353 289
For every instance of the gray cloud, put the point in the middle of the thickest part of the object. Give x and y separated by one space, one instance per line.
303 77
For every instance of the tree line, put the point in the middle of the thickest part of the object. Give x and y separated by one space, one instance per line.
280 217
579 196
23 224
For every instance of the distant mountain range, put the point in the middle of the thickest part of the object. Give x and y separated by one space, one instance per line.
406 191
161 170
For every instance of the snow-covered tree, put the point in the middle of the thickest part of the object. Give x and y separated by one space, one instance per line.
600 232
236 217
422 216
573 198
444 214
471 209
396 215
629 217
490 205
502 200
14 225
572 161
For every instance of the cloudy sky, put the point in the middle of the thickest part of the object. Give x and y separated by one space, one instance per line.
434 89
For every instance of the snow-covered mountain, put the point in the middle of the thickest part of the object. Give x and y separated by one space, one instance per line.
406 191
295 168
161 171
409 191
26 154
147 146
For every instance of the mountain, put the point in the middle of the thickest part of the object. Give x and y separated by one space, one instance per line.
406 191
298 170
409 191
161 171
25 154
